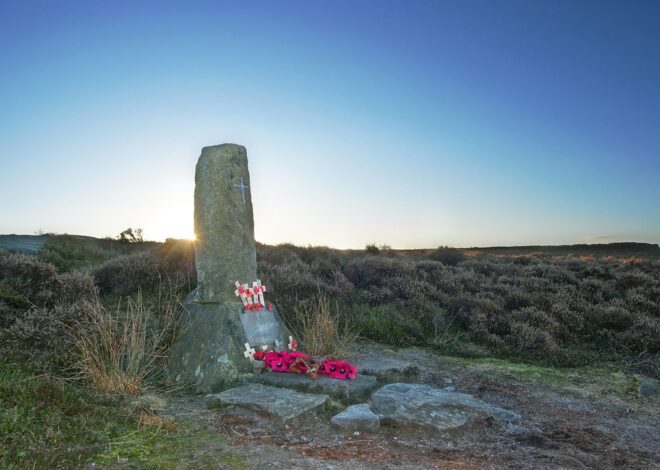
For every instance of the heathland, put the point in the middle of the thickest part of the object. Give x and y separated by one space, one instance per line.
86 325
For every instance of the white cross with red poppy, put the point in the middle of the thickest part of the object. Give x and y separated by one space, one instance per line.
258 291
244 292
292 343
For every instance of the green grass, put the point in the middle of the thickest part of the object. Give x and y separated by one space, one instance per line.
607 380
48 423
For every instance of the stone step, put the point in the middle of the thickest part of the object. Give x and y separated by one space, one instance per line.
422 405
351 391
282 402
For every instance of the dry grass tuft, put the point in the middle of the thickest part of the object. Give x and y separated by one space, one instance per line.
316 323
119 351
147 419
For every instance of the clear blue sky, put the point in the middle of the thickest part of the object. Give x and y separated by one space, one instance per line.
411 123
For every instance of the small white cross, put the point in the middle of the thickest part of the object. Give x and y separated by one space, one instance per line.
249 352
291 346
258 291
242 294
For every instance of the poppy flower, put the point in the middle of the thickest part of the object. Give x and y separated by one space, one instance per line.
272 357
259 355
338 370
292 356
351 371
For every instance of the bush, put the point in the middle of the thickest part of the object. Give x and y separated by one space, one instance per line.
127 274
170 266
448 256
35 281
49 333
32 291
561 311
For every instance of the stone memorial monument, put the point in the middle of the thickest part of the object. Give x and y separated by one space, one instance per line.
211 352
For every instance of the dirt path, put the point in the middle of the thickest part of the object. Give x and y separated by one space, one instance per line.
570 419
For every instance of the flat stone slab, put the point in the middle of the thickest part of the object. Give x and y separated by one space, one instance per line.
351 390
395 366
356 418
423 405
284 403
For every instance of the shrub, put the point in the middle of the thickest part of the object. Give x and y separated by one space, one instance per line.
382 323
49 333
448 256
169 266
126 274
35 281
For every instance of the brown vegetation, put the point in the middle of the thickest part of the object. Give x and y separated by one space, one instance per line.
564 311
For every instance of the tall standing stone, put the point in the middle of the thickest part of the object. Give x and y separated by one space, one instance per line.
224 224
209 355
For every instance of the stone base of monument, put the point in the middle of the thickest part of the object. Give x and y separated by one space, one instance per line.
209 355
351 391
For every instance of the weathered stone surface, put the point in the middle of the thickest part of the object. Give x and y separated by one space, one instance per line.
284 403
649 389
264 327
391 366
224 225
356 418
209 355
350 390
422 405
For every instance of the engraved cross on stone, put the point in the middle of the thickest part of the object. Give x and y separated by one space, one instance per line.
243 188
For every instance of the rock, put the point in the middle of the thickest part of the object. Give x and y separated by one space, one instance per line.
403 365
649 388
350 390
284 403
386 368
209 354
356 418
224 226
423 405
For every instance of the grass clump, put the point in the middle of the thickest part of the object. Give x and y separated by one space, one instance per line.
318 326
121 351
